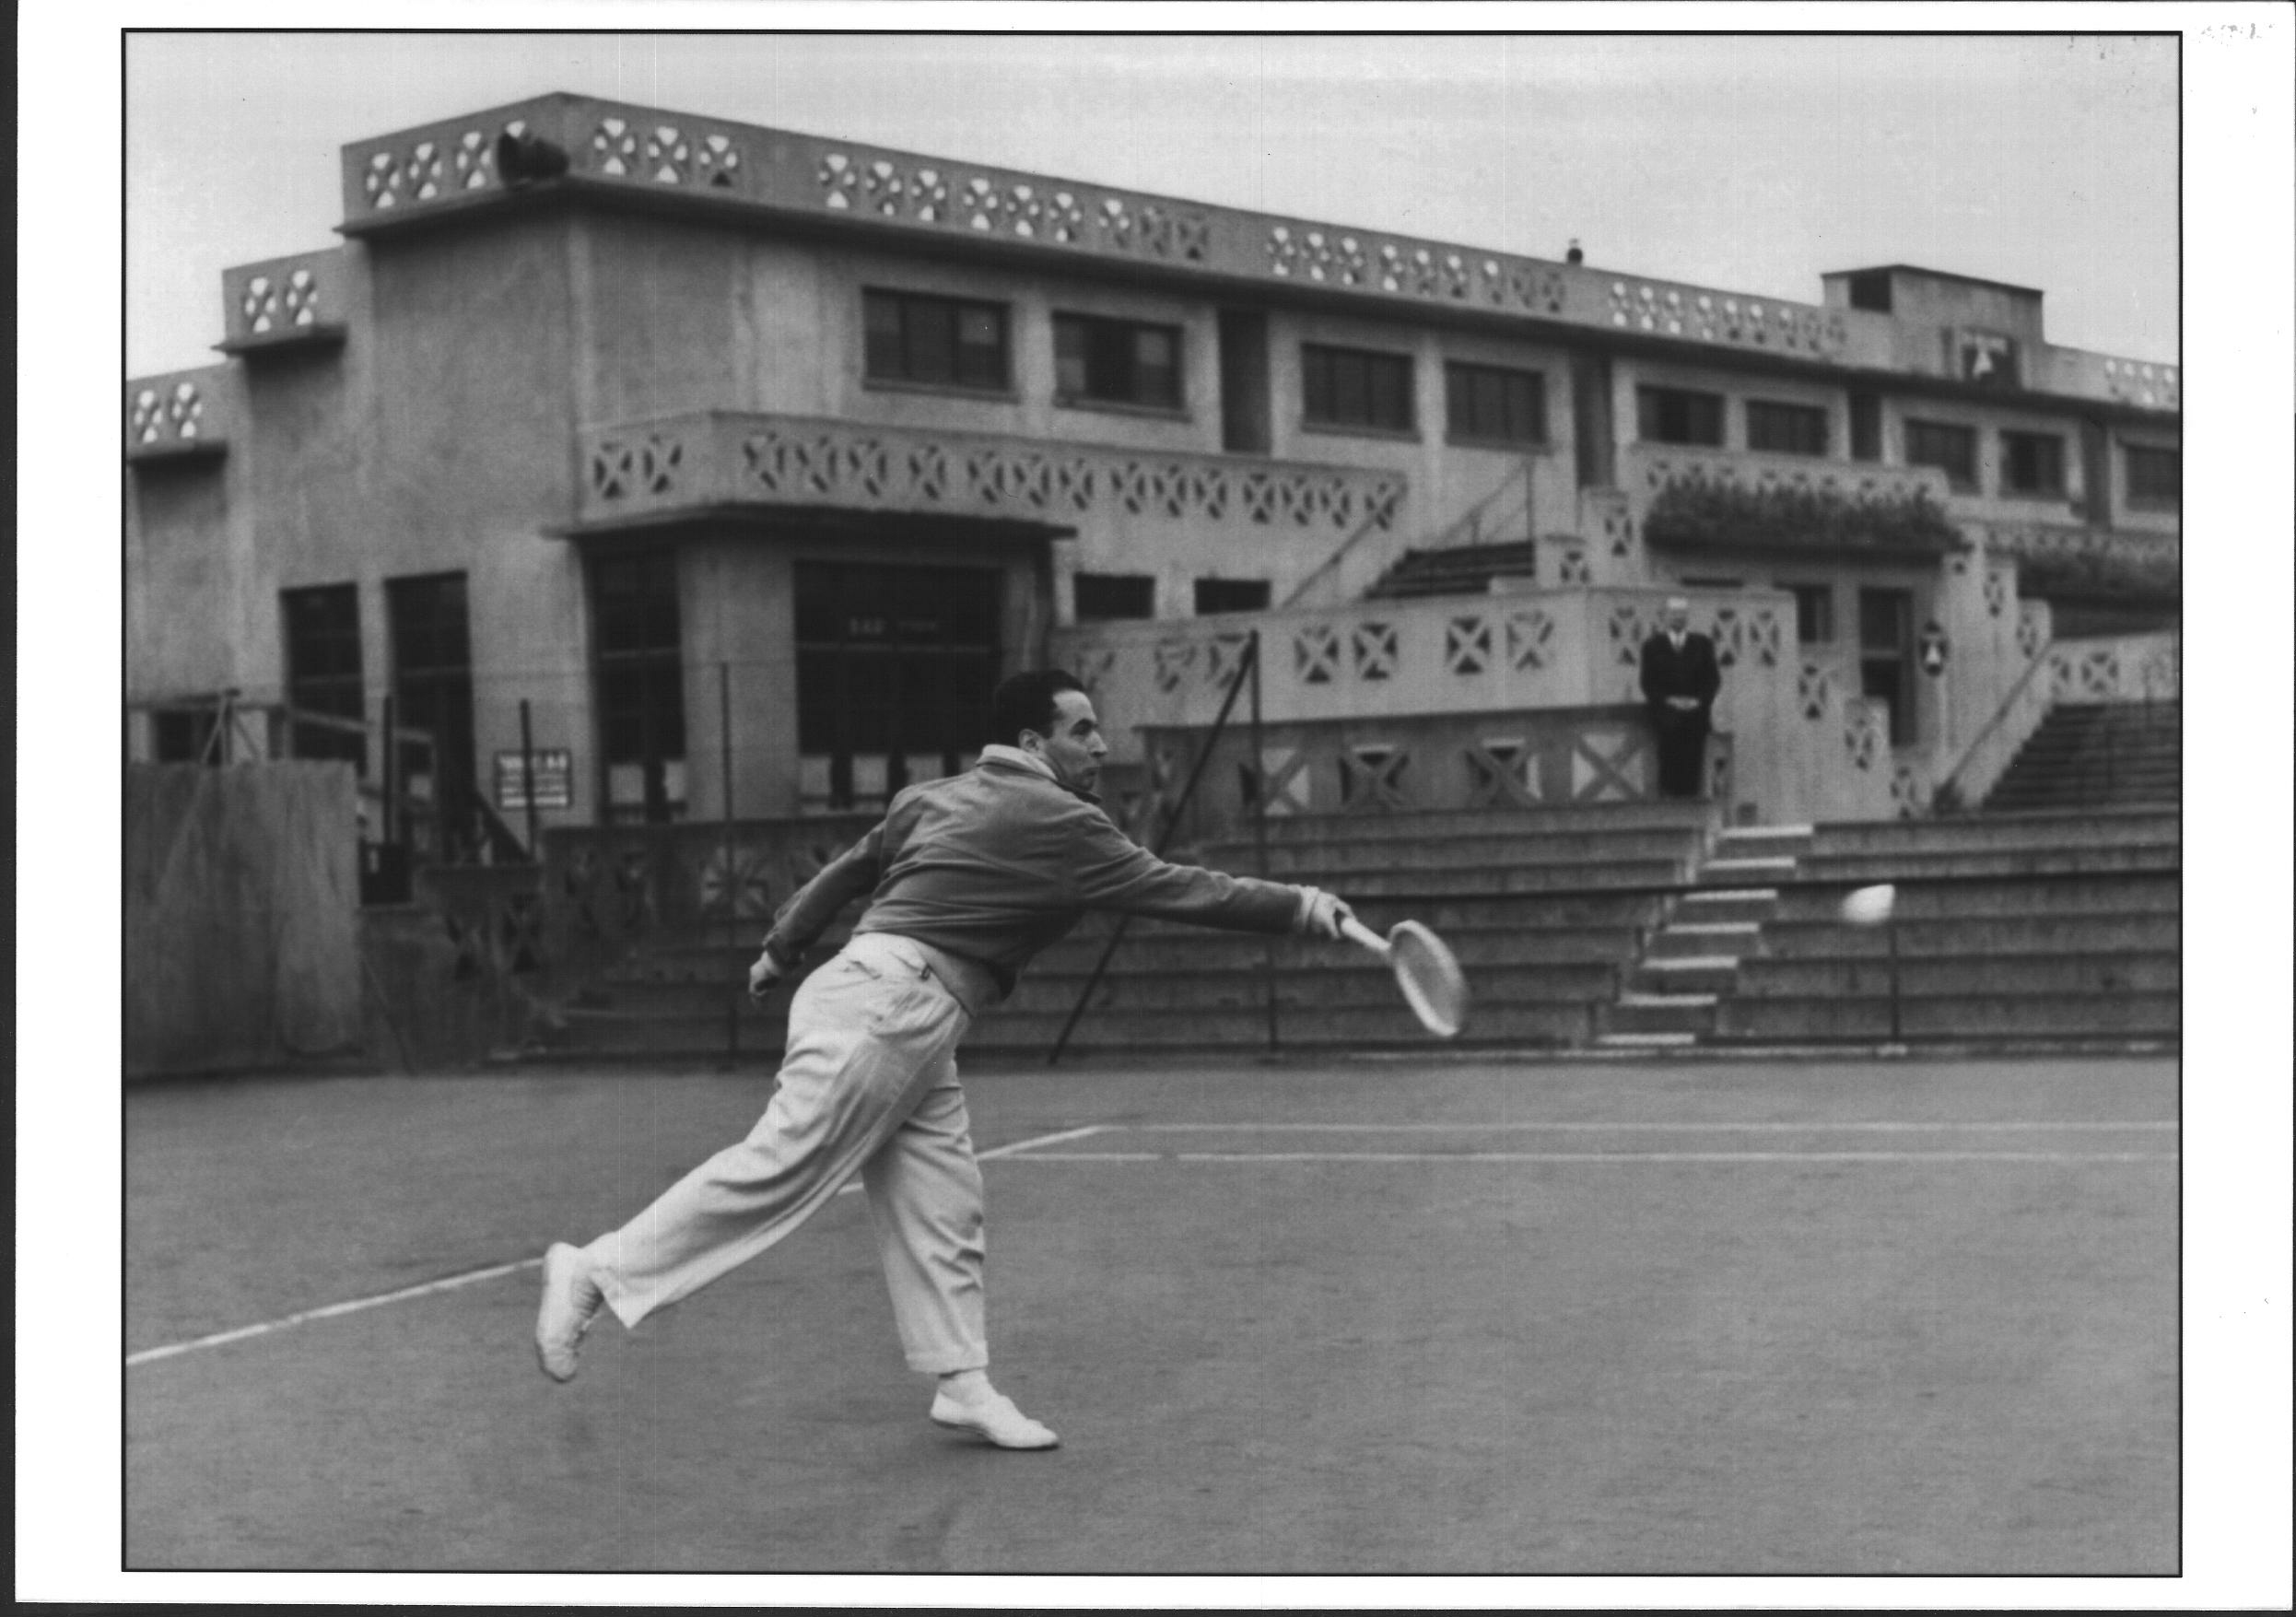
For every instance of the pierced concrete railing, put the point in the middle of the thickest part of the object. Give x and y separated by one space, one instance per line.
284 300
691 464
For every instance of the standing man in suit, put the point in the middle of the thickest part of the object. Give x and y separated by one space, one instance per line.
1680 677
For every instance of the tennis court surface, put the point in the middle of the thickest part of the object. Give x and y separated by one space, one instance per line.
1705 1317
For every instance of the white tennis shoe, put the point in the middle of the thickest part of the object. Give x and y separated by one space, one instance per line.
994 1417
570 1300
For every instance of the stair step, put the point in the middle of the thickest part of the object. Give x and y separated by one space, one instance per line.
1778 865
1647 1040
1665 1002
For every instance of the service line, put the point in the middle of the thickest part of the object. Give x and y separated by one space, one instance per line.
492 1271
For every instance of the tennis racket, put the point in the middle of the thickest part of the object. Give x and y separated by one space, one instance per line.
1425 968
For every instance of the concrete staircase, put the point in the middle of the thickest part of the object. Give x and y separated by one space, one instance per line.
1462 570
2049 927
1671 994
2096 755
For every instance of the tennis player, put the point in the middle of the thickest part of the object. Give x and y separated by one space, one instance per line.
969 878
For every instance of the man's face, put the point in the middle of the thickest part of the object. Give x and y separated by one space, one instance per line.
1075 746
1677 616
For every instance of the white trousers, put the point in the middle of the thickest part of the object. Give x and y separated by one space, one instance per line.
868 1084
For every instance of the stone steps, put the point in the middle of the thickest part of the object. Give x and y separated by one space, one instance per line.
1785 1020
2084 756
2082 972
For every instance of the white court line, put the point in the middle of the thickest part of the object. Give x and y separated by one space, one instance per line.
1593 1128
332 1309
1660 1156
472 1277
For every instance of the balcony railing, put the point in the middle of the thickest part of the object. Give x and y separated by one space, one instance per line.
690 465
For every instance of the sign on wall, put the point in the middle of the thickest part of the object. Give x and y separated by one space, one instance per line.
554 778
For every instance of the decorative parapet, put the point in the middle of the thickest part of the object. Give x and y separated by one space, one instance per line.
687 464
182 415
2028 542
2125 668
2136 382
285 301
1565 648
620 146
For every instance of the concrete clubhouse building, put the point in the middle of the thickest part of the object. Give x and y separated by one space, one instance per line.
656 468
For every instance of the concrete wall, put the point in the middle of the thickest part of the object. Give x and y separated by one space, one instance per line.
240 921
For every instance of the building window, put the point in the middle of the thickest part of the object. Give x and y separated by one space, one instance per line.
640 669
1213 595
1351 388
1116 362
1813 613
1870 289
1785 429
2156 476
325 681
430 675
2032 464
940 342
1673 415
1951 450
894 668
1101 596
1486 404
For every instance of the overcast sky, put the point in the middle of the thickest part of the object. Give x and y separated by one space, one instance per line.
1752 164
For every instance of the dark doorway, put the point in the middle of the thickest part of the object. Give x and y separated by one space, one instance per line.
639 666
894 667
1885 656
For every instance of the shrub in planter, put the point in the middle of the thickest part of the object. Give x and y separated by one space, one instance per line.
1702 513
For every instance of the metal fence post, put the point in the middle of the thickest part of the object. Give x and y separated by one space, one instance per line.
527 764
1897 1030
725 865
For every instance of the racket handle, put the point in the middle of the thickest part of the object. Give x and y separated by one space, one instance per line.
1358 933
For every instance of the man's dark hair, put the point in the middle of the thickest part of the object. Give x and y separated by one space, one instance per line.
1024 702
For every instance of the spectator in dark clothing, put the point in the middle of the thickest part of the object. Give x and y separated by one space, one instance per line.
1680 677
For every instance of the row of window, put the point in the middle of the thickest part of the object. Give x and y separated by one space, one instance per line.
918 338
2032 464
1101 596
429 628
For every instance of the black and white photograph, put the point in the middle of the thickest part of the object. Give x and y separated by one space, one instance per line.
1442 752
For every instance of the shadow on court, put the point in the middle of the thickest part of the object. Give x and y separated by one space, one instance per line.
1742 1317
